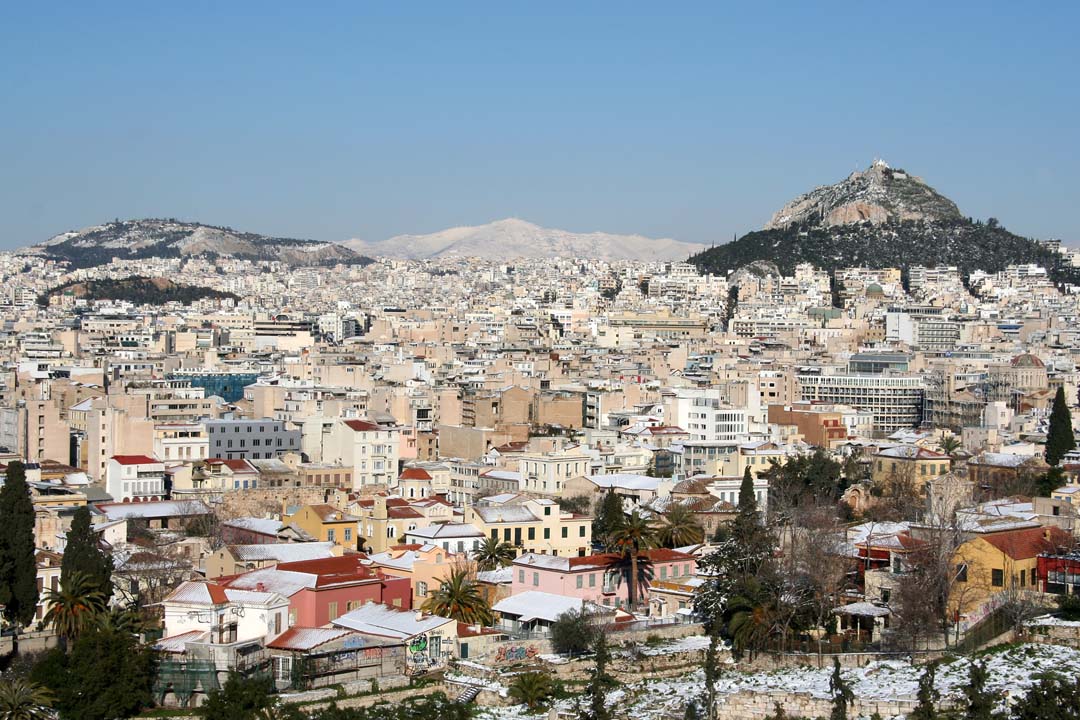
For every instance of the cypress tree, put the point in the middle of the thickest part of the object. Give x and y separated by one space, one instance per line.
1059 438
18 566
609 517
747 500
927 696
84 554
842 696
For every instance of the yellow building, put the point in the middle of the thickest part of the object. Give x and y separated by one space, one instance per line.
328 524
536 526
909 462
996 562
384 521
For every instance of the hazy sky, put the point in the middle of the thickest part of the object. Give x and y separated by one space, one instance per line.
693 121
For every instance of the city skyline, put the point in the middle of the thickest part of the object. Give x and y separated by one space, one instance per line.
368 123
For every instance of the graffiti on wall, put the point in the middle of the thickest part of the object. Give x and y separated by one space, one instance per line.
515 653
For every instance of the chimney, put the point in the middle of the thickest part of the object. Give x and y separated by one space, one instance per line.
260 587
419 616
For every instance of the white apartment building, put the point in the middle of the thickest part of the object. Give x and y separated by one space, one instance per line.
370 449
135 478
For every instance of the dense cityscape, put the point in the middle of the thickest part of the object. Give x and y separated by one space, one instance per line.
509 361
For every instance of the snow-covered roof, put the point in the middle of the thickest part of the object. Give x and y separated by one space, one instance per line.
537 605
446 531
265 526
154 509
385 621
283 552
625 481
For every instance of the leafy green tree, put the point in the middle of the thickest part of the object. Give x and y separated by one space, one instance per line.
573 632
608 517
600 681
531 688
459 597
493 554
21 699
18 564
679 527
631 539
927 696
980 702
75 607
1050 481
84 554
240 699
842 696
107 674
1059 438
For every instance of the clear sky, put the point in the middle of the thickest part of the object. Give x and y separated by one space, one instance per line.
687 120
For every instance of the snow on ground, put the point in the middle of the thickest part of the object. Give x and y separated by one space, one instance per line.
1012 672
1050 620
686 644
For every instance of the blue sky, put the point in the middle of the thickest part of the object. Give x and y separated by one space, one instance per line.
695 121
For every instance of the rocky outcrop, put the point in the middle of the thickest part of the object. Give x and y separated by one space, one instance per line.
878 195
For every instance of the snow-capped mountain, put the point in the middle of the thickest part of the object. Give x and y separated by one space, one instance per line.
157 238
513 238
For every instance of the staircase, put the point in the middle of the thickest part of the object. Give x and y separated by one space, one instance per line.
469 693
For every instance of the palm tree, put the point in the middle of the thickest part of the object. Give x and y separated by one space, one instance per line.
679 527
630 540
950 444
459 598
493 554
531 688
75 606
23 700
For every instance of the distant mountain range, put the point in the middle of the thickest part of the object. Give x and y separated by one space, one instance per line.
157 238
513 238
880 217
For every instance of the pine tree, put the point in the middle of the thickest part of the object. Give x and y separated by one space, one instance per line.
712 669
609 517
1059 438
83 554
18 565
599 682
980 703
841 692
927 696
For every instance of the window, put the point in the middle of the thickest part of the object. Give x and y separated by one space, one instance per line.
330 534
961 572
547 533
283 668
565 532
997 578
547 509
348 534
579 581
581 531
592 579
333 611
532 533
521 576
421 588
536 579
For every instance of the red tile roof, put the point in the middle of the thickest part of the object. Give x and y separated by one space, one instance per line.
135 460
1028 543
363 426
414 474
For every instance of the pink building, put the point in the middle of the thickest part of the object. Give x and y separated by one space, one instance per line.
322 590
600 579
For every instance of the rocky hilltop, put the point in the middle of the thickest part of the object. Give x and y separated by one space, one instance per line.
158 238
514 238
880 218
877 195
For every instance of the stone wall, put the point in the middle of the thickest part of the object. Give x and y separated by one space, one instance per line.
756 705
261 502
